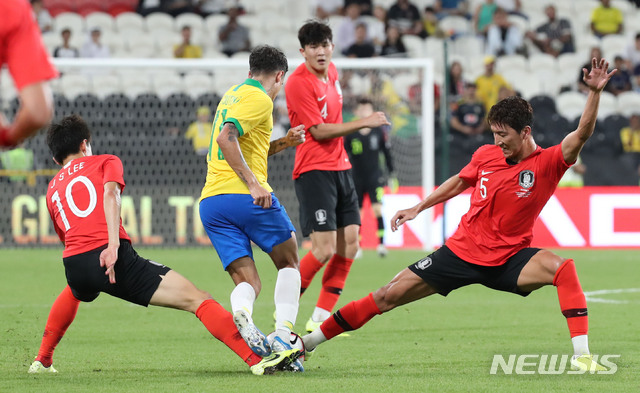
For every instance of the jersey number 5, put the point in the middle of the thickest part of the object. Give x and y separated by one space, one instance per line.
93 200
483 187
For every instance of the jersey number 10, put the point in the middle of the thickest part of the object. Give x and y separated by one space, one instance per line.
93 200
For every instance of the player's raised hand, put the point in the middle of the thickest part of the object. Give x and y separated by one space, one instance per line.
261 196
376 119
108 258
296 135
598 77
403 216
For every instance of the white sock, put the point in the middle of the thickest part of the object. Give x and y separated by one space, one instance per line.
242 298
286 298
320 314
314 338
580 345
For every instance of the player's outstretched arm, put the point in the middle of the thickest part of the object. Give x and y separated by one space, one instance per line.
228 143
595 80
35 112
294 137
109 256
327 130
447 190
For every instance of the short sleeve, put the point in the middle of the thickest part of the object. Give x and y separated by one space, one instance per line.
470 172
302 101
254 109
555 165
113 171
26 55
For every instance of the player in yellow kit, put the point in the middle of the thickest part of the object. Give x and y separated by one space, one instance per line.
238 206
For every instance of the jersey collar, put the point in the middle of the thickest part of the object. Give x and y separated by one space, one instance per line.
254 83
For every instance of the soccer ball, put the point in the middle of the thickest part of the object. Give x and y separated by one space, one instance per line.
294 340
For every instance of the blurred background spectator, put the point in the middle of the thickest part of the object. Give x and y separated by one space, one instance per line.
94 47
621 80
430 24
366 6
456 82
18 159
42 16
233 36
594 53
553 37
503 37
633 53
489 84
362 47
186 49
406 17
376 27
445 8
146 7
325 8
346 34
199 132
630 138
512 7
65 49
606 19
483 16
210 7
468 117
393 46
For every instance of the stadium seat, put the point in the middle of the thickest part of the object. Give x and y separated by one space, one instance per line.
197 83
510 62
86 7
527 86
129 20
165 38
414 45
433 48
467 46
134 84
179 109
88 106
210 100
192 20
629 103
608 105
571 61
520 22
402 82
360 85
158 21
455 25
100 19
105 85
72 85
166 83
51 41
542 61
543 105
571 104
56 7
613 45
117 7
141 45
213 23
69 20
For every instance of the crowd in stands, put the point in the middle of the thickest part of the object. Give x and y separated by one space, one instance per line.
496 48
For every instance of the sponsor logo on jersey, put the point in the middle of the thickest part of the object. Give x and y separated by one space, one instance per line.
321 216
423 264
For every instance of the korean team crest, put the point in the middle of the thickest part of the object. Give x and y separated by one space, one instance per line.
321 216
526 179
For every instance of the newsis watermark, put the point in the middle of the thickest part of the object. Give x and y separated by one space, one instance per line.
548 364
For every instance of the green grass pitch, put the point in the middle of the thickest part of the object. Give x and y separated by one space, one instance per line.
436 344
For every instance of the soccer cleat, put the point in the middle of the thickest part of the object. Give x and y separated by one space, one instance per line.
280 346
38 368
255 339
382 250
276 361
313 325
585 363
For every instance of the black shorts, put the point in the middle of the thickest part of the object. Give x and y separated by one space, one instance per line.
370 185
327 201
445 271
137 279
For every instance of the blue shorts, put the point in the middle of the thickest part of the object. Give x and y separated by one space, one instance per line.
232 222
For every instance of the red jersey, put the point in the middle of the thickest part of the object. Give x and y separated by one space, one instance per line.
505 203
311 101
21 46
75 202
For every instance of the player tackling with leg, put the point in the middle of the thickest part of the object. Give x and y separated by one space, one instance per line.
512 180
238 207
83 200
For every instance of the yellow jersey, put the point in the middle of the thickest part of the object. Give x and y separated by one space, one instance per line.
250 109
200 134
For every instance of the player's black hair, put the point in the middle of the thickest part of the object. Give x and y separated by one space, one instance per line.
64 138
267 59
514 112
365 101
314 32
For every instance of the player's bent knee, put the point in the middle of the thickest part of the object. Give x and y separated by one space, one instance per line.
386 299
